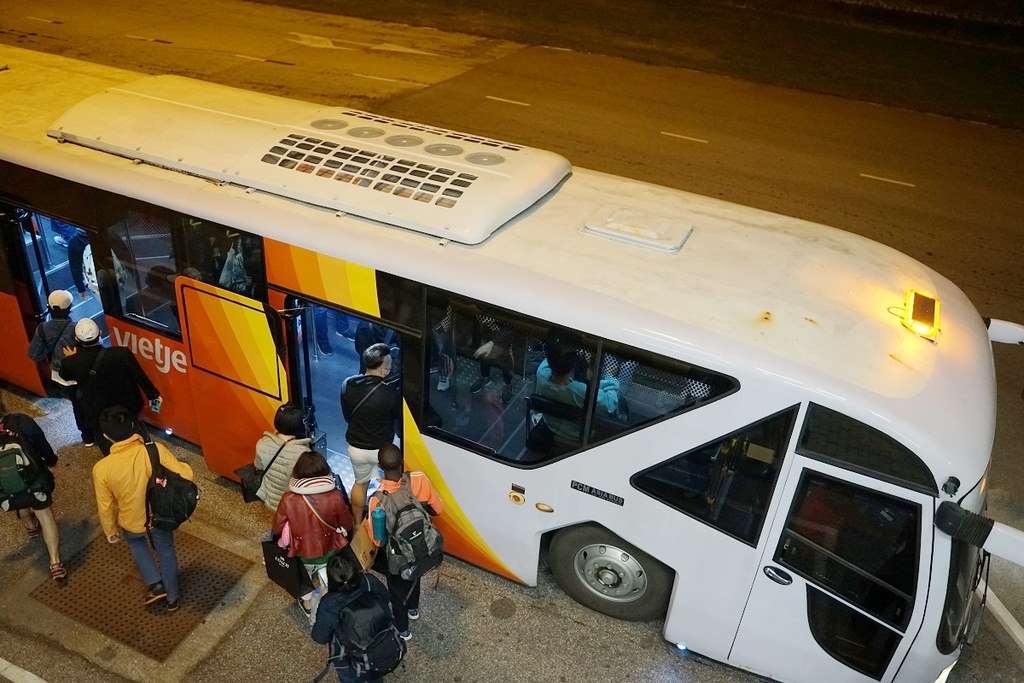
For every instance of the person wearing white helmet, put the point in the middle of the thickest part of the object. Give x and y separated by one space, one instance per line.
106 377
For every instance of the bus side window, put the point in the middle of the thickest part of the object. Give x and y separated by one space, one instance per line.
224 257
648 388
480 370
861 546
141 268
726 483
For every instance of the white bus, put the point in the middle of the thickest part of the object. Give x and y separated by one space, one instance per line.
738 421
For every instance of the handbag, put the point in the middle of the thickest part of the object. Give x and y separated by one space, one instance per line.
252 478
286 572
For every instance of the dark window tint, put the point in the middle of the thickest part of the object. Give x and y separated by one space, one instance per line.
527 391
965 566
859 544
848 635
727 483
841 440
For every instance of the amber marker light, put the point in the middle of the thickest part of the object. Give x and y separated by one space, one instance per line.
921 315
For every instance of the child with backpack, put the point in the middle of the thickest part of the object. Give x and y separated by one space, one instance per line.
355 620
26 483
412 545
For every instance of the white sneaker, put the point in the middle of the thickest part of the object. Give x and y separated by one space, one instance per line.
414 614
444 384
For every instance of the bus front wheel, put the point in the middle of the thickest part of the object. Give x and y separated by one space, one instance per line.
601 571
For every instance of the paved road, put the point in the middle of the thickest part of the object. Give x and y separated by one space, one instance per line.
948 192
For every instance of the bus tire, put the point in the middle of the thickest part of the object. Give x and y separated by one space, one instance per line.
601 571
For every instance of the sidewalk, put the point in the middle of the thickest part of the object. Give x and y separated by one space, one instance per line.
83 653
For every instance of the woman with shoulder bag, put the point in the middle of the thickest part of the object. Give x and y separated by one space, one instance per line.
319 521
277 453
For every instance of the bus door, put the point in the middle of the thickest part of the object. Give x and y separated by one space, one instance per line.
326 344
39 254
236 373
843 583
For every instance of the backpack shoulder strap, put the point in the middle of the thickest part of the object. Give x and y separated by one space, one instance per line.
154 461
96 363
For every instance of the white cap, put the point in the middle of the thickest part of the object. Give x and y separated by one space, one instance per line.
60 298
86 330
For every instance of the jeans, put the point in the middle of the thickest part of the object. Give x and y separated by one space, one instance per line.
163 541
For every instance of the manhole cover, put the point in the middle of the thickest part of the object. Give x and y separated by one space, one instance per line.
104 592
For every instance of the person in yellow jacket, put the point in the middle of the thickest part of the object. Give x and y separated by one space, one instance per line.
120 481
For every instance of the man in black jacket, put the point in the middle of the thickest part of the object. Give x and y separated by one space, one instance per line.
106 377
371 408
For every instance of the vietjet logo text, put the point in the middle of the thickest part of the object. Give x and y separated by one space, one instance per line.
163 356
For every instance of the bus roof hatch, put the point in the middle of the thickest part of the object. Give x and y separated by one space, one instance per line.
435 181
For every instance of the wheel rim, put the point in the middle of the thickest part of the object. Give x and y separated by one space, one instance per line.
610 572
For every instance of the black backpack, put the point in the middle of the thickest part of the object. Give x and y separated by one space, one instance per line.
170 498
22 480
366 629
414 545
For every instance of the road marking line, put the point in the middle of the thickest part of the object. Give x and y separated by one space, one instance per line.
148 40
886 180
684 137
502 99
1005 619
45 21
263 59
378 78
310 40
16 674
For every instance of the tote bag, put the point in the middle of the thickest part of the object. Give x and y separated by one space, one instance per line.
286 572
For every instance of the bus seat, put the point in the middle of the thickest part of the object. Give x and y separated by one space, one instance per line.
538 436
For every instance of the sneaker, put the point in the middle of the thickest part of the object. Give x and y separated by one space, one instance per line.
507 394
325 350
88 444
172 606
444 384
58 572
414 614
478 385
156 593
307 609
60 241
405 635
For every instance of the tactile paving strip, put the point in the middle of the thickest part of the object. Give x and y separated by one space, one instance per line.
105 592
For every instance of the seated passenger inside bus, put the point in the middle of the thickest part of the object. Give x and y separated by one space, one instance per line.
556 380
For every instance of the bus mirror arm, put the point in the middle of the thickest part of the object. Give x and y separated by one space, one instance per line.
1004 332
989 535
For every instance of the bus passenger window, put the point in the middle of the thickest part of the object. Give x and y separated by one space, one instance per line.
480 361
527 391
649 388
223 256
726 483
141 269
